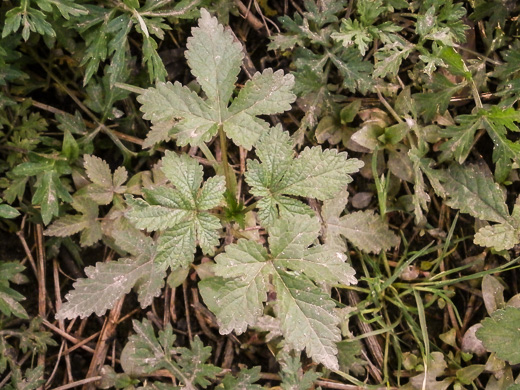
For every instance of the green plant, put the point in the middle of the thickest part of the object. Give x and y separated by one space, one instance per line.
186 214
315 266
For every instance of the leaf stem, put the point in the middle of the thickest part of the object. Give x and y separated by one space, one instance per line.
225 162
476 95
169 13
381 185
249 208
208 154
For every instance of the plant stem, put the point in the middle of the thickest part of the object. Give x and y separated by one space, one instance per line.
225 163
381 185
249 208
208 154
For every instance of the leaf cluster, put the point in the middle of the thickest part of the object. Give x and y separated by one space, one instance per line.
262 212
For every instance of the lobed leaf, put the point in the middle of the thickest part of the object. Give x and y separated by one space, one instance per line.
246 272
180 212
502 236
107 282
366 230
500 334
105 184
322 264
308 320
315 173
471 189
215 58
237 304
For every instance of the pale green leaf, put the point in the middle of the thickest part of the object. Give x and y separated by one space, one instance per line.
211 193
244 129
245 272
275 151
169 197
100 195
321 264
268 210
244 260
237 304
158 133
308 319
320 174
194 131
324 264
500 334
153 217
119 177
334 207
91 234
150 284
107 282
366 230
7 211
167 101
180 212
267 93
214 59
502 236
184 172
207 228
98 171
315 173
290 207
104 184
471 189
66 226
126 236
86 223
177 245
290 238
9 302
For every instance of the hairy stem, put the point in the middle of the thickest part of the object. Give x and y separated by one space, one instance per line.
225 164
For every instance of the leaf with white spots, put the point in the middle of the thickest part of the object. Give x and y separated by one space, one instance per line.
49 191
180 211
366 230
247 271
86 222
308 319
215 57
108 282
315 173
104 183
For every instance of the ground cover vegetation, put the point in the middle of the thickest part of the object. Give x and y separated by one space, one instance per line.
226 194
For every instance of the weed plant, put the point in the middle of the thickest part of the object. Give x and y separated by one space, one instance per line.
299 195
